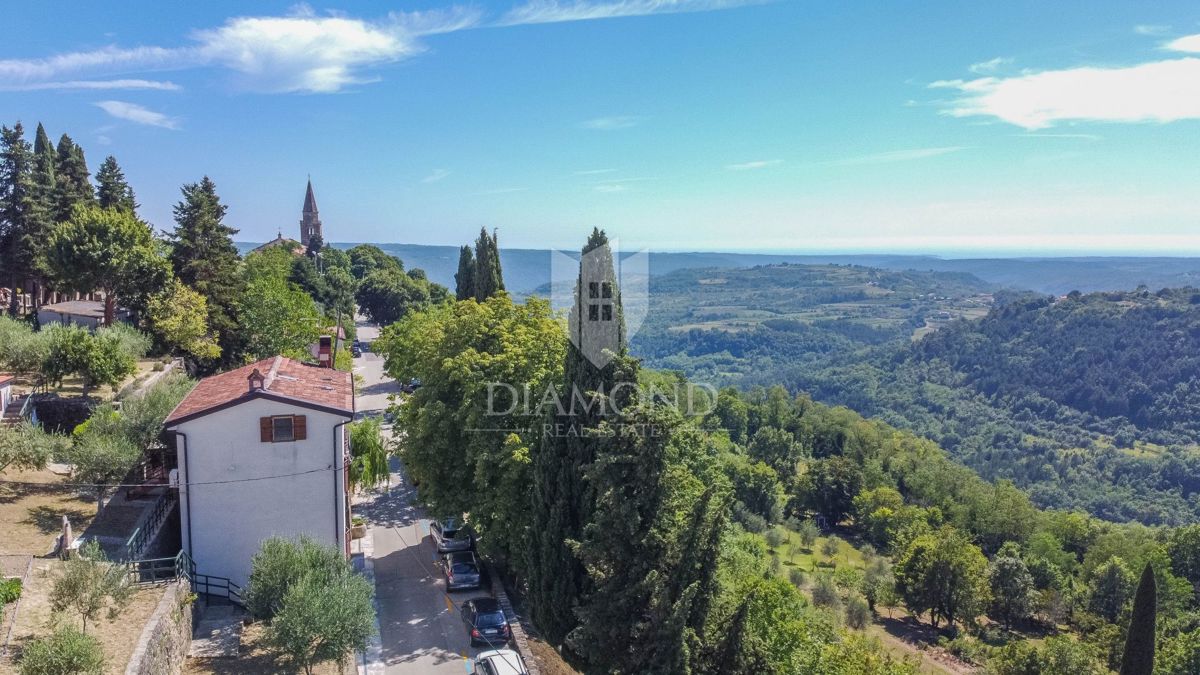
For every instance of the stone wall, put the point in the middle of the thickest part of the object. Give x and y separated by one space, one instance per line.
165 641
518 630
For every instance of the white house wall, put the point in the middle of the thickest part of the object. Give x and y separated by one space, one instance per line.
228 521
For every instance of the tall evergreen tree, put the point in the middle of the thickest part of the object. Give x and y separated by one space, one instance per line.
112 190
43 173
71 179
18 209
562 505
315 243
464 279
204 257
1138 658
488 278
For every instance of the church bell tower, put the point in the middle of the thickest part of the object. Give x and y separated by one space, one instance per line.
310 221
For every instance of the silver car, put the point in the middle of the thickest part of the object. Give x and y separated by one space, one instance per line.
449 535
462 571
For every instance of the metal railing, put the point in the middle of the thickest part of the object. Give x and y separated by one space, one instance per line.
150 525
181 566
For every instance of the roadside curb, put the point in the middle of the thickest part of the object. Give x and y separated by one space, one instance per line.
370 662
519 638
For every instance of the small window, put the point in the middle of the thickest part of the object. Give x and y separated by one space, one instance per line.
282 429
593 290
606 312
606 290
593 312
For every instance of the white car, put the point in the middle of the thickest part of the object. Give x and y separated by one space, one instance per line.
499 662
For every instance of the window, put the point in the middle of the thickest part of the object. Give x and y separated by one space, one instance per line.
593 312
606 290
606 312
593 289
282 428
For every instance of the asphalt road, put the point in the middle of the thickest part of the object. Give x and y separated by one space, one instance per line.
420 630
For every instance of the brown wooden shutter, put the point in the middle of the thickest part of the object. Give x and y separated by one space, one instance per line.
264 429
299 427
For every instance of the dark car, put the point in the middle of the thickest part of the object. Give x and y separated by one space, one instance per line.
485 622
462 571
449 535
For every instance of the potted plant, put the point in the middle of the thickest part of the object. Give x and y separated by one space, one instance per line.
358 527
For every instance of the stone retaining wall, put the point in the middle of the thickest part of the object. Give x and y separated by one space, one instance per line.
165 641
518 630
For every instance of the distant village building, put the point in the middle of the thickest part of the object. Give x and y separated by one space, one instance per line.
281 242
86 313
263 451
310 220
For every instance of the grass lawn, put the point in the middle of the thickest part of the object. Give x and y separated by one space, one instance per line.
31 516
793 554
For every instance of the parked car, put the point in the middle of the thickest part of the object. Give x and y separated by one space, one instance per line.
485 622
499 662
462 571
450 535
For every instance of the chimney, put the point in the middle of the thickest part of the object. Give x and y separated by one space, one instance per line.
325 352
256 380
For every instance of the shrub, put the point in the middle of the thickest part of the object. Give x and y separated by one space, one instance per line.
858 615
91 584
776 565
774 537
829 547
280 563
66 651
797 577
825 593
10 590
322 620
808 533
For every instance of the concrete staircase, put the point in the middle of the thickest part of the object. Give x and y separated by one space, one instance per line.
218 633
12 414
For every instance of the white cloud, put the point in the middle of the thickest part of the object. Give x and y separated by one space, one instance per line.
759 164
502 191
896 156
552 11
989 66
1187 43
1149 29
610 187
25 71
133 112
94 85
593 172
437 175
611 123
1157 91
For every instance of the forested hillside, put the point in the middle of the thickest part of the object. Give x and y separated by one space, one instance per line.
1088 401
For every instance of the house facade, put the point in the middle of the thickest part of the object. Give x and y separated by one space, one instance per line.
262 451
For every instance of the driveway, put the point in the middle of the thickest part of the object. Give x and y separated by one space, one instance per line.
419 630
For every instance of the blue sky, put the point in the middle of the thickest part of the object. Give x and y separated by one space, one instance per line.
694 124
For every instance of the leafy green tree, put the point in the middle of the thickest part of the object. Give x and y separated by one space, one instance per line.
808 533
858 614
755 485
179 317
369 454
72 187
276 317
90 584
488 278
22 350
1138 657
27 447
316 243
387 296
944 574
878 584
777 448
44 179
205 259
1179 655
105 357
1059 655
107 250
830 485
366 258
112 190
464 279
281 563
100 455
66 651
323 620
1111 587
1012 586
1184 550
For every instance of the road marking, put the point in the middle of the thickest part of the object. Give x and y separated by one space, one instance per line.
467 663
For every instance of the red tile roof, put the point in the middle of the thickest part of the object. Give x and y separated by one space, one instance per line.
283 379
5 378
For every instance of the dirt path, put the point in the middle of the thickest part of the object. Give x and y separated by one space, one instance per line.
904 637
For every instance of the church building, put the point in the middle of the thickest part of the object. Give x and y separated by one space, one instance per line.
310 226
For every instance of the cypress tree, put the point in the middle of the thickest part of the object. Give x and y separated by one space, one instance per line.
562 504
489 280
1138 658
204 257
464 279
43 173
112 191
71 179
18 208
